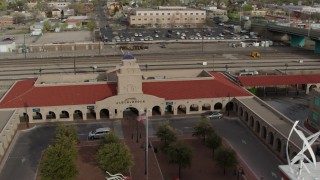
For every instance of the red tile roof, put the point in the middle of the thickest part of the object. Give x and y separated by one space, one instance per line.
25 93
273 80
194 89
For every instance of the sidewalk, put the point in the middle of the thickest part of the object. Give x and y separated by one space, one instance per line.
138 151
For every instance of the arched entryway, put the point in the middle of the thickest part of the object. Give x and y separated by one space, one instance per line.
91 114
182 109
236 107
278 145
206 107
156 110
264 132
270 135
104 113
169 110
51 115
246 116
218 106
229 106
194 107
130 113
257 129
312 87
251 122
37 116
64 115
77 115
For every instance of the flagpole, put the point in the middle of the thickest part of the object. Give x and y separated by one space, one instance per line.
147 146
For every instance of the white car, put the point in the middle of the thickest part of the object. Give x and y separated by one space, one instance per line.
214 115
156 35
136 34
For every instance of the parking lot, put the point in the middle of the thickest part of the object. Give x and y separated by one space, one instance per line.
153 34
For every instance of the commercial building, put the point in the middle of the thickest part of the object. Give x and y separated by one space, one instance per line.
168 16
6 21
111 94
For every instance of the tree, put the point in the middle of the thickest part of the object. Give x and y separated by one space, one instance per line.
41 6
226 158
115 158
213 142
247 7
180 154
59 158
166 134
91 25
3 5
47 25
109 138
58 163
202 129
18 18
68 131
77 7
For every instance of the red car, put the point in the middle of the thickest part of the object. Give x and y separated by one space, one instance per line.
8 39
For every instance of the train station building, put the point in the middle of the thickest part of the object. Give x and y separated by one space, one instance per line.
111 94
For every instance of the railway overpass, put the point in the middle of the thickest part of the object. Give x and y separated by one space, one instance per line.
298 35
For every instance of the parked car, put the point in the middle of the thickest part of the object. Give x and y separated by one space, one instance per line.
98 133
213 115
8 39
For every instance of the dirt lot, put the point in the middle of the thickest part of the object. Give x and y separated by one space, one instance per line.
65 37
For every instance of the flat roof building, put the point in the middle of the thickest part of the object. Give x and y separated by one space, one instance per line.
168 16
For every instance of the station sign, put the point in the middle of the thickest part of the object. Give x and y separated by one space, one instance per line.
36 110
90 107
169 103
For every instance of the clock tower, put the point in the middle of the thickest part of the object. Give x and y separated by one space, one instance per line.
129 76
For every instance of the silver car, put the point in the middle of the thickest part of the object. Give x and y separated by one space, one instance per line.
98 133
214 115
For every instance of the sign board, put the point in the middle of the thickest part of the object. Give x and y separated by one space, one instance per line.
169 103
36 110
90 107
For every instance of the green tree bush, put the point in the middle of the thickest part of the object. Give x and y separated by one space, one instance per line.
114 158
180 154
226 158
213 142
167 135
202 129
58 161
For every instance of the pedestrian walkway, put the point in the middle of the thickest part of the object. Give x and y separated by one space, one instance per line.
136 145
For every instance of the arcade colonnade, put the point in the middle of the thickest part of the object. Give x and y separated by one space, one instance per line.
98 111
264 130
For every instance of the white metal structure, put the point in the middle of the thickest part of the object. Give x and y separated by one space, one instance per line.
301 157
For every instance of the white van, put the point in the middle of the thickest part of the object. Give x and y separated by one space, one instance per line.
249 73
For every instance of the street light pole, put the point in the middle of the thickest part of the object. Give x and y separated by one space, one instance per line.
74 65
212 62
202 43
309 25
